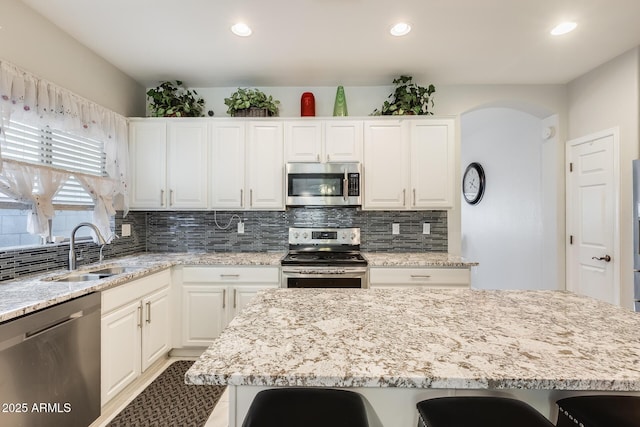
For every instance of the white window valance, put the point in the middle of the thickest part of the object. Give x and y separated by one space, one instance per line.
28 99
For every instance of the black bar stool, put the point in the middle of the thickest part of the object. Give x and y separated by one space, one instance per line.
478 411
308 407
599 411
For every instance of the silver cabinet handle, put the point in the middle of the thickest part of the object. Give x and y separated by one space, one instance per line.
148 311
229 276
250 197
140 316
328 158
420 276
171 198
317 157
414 197
404 197
162 197
235 298
224 298
241 198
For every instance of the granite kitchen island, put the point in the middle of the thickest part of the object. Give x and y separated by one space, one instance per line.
397 347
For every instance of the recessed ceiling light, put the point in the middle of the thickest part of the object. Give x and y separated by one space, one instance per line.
563 28
241 29
400 29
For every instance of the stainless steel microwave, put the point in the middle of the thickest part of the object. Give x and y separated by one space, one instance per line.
324 184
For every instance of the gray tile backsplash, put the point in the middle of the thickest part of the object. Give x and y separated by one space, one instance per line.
208 231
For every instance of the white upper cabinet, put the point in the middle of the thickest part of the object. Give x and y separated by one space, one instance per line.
323 140
187 164
265 165
409 164
148 160
227 160
386 164
303 141
168 160
432 164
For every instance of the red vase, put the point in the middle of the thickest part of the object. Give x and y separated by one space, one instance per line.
307 105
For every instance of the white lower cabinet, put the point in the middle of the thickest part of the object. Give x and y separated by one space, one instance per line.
135 330
403 277
212 296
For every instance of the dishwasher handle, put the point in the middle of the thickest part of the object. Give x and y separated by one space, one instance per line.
53 325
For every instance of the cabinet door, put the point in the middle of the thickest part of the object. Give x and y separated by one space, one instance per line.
120 354
241 295
227 150
187 164
148 160
386 165
432 164
204 314
156 337
265 165
303 141
343 141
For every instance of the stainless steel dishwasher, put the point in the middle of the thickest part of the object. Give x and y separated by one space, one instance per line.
50 366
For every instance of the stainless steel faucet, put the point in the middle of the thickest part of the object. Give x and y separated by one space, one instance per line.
72 244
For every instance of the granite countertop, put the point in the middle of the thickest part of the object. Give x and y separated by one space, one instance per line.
416 259
426 338
26 295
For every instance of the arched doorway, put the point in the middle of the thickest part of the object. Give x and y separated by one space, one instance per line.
516 231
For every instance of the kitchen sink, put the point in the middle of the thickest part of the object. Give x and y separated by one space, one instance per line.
101 273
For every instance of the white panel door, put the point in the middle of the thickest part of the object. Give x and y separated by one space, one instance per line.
227 148
187 164
592 212
303 141
148 160
432 164
386 165
203 314
343 141
120 354
156 337
265 165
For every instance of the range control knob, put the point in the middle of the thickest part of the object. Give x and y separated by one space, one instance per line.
295 235
304 235
353 236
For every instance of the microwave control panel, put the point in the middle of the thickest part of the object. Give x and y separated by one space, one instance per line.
354 184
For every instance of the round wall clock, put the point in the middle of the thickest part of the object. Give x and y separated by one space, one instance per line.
473 183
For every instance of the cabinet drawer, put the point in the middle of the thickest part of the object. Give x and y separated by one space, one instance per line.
136 289
402 277
231 275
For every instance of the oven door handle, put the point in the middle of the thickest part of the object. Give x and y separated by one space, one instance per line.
315 273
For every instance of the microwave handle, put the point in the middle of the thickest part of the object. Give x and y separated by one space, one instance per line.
345 187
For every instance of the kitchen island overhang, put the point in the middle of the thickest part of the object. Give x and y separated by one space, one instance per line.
403 345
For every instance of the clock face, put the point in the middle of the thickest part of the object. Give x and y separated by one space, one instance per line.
473 183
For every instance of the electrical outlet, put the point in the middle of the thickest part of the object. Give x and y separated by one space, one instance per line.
126 230
426 228
395 228
241 228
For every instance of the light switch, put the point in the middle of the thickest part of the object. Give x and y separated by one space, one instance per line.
426 228
126 230
395 228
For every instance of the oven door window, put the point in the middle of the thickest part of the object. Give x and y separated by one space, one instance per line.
324 282
315 185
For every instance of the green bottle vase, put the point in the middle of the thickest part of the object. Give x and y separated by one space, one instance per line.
340 106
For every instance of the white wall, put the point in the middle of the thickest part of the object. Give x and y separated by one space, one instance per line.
36 45
505 232
605 98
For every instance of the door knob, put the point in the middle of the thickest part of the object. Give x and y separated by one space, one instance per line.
605 258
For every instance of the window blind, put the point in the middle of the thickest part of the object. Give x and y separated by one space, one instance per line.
58 149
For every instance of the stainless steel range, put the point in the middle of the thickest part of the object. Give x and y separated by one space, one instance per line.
324 258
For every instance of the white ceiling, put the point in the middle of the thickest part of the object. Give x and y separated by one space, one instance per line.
331 42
